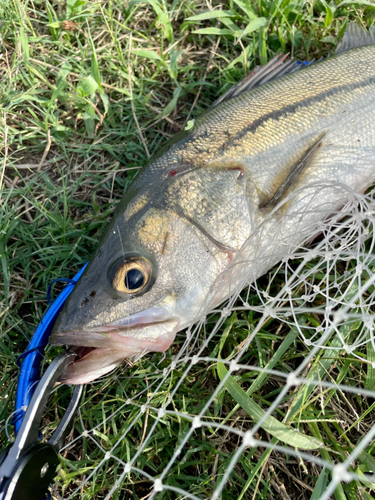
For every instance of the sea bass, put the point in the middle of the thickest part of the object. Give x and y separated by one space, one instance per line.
255 177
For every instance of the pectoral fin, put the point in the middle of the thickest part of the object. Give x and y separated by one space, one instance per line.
292 177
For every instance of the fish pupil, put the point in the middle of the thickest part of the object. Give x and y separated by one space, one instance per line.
134 279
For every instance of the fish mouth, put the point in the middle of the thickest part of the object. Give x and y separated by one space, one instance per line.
100 349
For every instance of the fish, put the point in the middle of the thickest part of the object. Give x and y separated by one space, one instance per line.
221 203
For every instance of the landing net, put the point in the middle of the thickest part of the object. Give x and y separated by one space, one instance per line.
271 395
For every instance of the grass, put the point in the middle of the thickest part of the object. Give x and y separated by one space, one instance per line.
89 90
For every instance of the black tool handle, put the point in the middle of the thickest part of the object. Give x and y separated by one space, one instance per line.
32 475
28 467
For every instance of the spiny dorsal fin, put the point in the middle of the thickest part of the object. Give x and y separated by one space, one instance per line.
356 36
275 68
296 169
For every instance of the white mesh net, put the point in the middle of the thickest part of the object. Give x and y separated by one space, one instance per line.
270 396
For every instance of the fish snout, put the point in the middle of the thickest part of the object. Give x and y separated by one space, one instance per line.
100 349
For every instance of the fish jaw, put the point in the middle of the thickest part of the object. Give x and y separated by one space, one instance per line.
100 349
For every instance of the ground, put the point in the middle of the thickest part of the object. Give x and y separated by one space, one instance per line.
89 90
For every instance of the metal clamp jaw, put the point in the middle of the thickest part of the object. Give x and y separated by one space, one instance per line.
27 467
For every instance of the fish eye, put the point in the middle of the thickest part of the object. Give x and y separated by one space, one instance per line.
131 275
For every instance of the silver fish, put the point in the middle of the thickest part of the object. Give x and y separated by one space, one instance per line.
223 202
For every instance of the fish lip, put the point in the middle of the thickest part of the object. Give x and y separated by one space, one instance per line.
94 336
101 336
100 349
152 315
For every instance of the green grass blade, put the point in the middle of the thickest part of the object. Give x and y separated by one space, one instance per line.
262 376
254 25
370 379
148 54
24 44
214 31
368 3
270 424
320 367
287 342
88 86
247 8
262 46
215 14
256 469
320 486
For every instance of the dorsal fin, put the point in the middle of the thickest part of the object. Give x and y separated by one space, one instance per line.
275 68
356 36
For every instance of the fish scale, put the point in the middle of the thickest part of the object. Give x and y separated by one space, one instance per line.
253 179
216 200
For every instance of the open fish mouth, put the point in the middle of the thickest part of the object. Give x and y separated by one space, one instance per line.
100 349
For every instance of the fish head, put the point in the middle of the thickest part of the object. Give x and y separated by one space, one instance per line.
146 281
